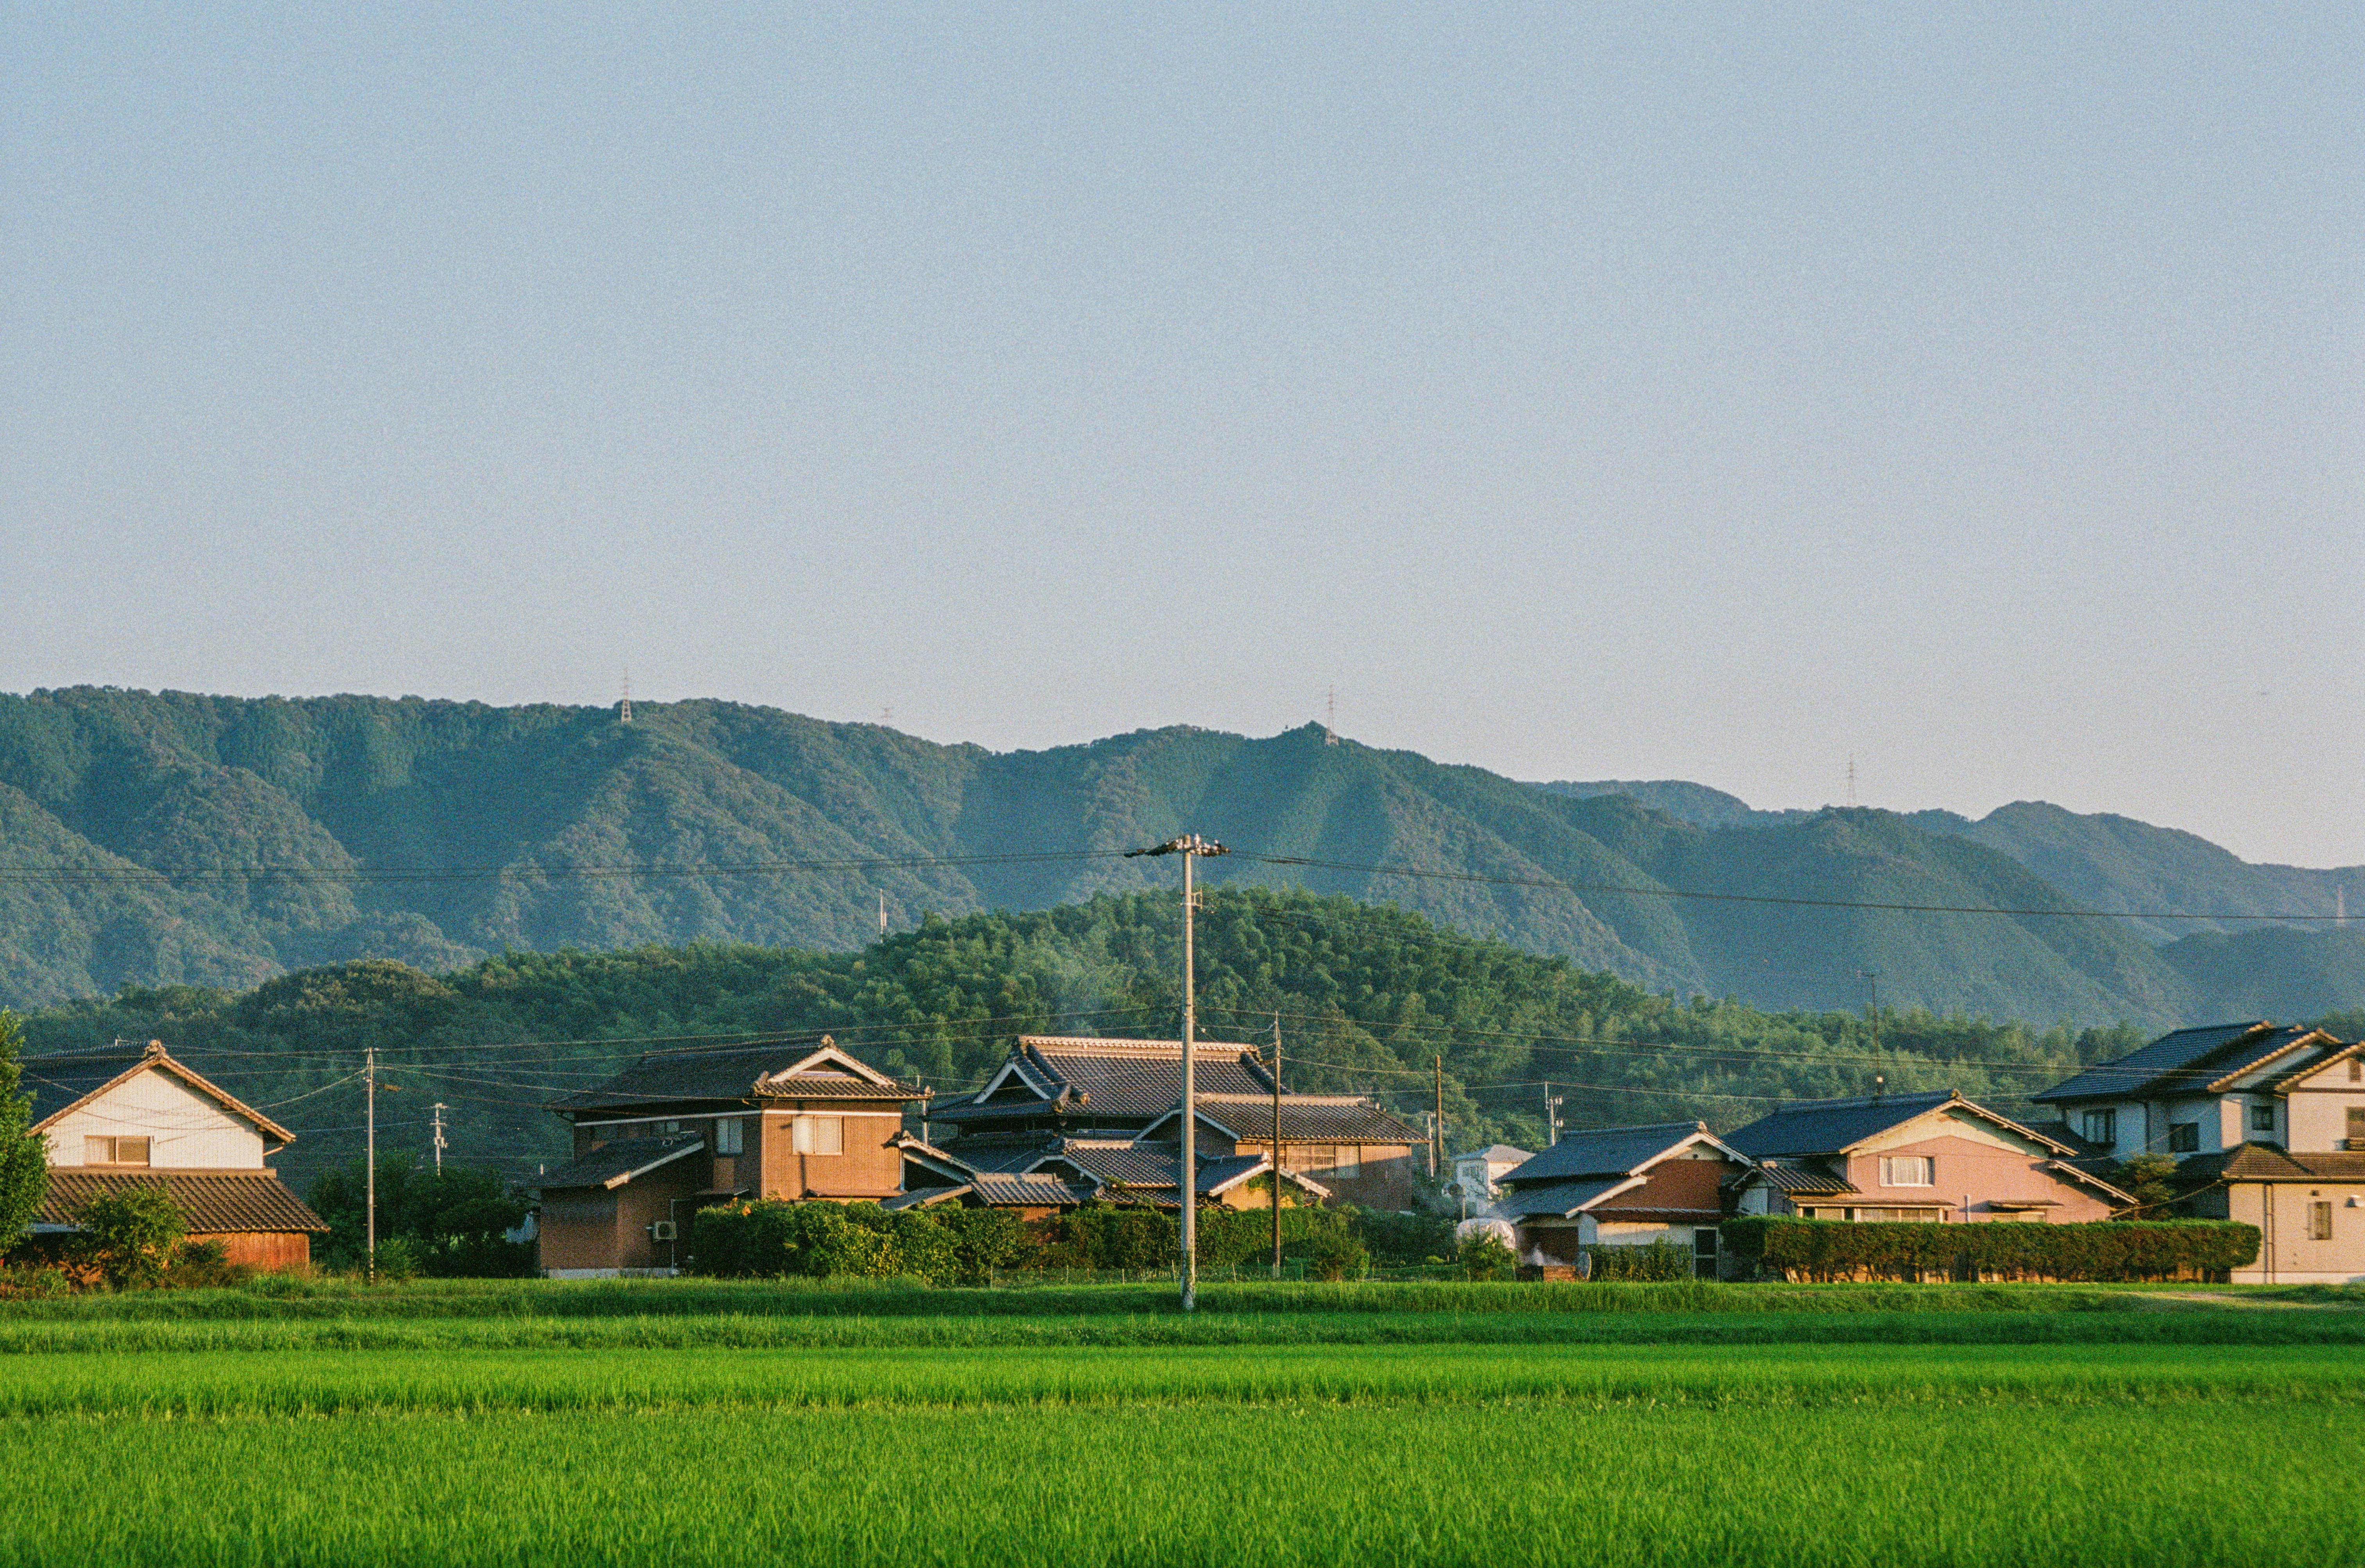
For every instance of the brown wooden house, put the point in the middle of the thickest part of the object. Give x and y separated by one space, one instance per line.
135 1117
683 1130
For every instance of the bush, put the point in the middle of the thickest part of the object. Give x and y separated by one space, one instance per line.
205 1265
1660 1260
397 1261
819 1239
2102 1249
33 1280
982 1240
1399 1238
1339 1257
1108 1236
1483 1256
126 1238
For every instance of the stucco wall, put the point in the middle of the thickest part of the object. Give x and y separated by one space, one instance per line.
188 1131
2319 1117
2286 1255
1976 1165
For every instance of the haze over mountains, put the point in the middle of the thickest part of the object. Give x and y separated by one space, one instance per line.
435 833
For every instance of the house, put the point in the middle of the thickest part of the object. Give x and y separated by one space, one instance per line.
1074 1095
1041 1177
1476 1173
684 1130
2267 1124
128 1117
1620 1187
1927 1156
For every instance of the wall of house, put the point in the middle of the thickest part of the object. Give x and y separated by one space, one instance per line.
188 1131
273 1251
576 1229
2318 1112
2286 1254
871 1166
1977 1165
1387 1175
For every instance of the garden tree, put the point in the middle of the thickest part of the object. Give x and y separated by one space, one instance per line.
23 1161
451 1222
127 1237
2149 1180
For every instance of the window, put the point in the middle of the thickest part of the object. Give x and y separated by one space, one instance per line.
1908 1171
667 1129
115 1151
2103 1127
2183 1137
821 1134
2319 1221
727 1136
1896 1216
2263 1118
2357 1127
2356 1070
1347 1161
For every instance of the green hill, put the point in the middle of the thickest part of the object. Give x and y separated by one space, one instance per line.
278 834
1368 999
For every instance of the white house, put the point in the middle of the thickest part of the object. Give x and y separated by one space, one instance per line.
1476 1173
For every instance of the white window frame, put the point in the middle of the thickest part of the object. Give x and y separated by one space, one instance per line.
813 1134
1894 1166
730 1135
112 1151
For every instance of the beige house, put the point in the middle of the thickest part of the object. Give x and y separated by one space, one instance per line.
1620 1187
1933 1156
2267 1124
132 1116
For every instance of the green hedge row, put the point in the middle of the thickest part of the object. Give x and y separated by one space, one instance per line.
2102 1249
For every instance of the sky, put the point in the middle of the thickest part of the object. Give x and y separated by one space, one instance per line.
1719 393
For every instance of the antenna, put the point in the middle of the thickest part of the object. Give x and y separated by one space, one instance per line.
624 709
1330 718
1851 778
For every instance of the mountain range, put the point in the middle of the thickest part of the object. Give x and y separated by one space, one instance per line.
174 838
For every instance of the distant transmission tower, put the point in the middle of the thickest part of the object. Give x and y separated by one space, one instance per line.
1851 778
1331 718
624 709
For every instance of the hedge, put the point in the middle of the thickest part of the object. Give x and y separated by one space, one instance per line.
2101 1249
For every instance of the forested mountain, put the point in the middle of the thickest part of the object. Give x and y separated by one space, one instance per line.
165 838
1367 999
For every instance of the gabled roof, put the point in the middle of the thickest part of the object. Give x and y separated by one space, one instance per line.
212 1202
2198 1060
1612 1151
2266 1162
931 1159
2313 1063
620 1162
1305 1118
59 1083
807 1069
1788 1177
1565 1196
1495 1154
1835 1126
1104 1077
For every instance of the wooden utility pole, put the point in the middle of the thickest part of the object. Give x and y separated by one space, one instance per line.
369 1078
1190 846
1276 1146
1437 1126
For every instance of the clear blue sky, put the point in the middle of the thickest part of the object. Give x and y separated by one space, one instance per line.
1708 393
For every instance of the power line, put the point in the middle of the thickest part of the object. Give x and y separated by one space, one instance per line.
28 874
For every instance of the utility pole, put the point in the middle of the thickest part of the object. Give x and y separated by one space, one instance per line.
1189 845
1437 1126
1552 1116
1276 1146
1879 1079
441 1145
882 915
369 1077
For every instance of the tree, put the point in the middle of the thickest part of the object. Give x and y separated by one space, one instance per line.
2149 1180
24 1162
129 1236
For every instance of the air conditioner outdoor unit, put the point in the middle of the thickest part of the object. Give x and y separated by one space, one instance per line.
661 1230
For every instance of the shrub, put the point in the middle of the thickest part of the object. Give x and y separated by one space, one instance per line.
2102 1249
1660 1260
33 1280
982 1240
127 1238
818 1240
205 1265
1400 1237
24 1155
1483 1256
398 1260
1108 1236
1339 1257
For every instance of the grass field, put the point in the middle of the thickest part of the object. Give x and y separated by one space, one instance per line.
686 1428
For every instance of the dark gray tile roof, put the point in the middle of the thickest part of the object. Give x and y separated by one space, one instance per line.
1803 1179
2167 1063
1601 1151
1134 1165
1826 1127
212 1202
1030 1192
1126 1078
619 1162
1305 1118
1563 1196
2266 1162
738 1076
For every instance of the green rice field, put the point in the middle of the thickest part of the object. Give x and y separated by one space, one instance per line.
1278 1431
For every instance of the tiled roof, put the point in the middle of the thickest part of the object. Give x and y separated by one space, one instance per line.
1029 1191
1134 1165
1602 1151
620 1162
1305 1118
1785 1177
1120 1079
1496 1154
742 1074
211 1202
57 1083
2265 1162
1826 1127
2185 1059
1563 1196
2313 1062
